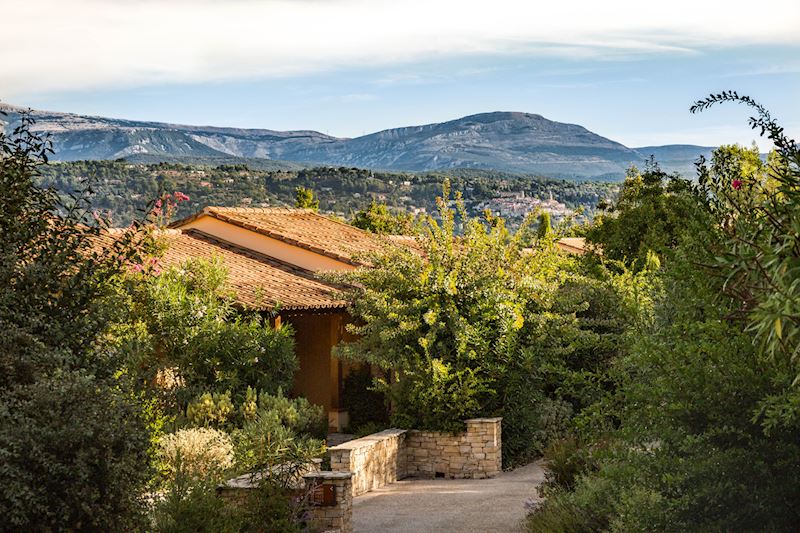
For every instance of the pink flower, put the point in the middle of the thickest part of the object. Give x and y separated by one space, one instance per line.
736 184
180 197
136 267
158 203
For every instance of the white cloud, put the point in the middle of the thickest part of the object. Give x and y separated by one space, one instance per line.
55 45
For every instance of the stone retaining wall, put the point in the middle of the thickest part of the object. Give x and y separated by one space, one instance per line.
476 453
382 458
375 460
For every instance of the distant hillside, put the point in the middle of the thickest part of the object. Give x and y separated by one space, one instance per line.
505 141
125 189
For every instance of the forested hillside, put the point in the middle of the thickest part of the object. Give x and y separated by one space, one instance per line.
123 188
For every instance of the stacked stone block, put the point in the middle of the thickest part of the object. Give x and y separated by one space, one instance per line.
475 453
335 518
375 460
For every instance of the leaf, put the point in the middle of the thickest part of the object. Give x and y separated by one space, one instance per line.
778 328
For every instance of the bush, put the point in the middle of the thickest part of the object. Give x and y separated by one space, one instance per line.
364 404
297 414
272 444
478 326
707 419
210 409
201 453
191 505
183 320
74 456
73 440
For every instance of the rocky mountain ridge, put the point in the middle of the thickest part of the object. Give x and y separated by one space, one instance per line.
506 141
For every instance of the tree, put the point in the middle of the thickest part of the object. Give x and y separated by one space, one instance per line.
650 215
304 199
475 325
73 440
545 228
707 419
376 218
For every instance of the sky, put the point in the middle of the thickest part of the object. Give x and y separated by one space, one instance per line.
627 70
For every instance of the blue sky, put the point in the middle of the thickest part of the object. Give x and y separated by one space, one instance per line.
346 68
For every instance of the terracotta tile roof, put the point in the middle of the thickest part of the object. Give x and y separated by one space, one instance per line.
300 227
257 281
573 245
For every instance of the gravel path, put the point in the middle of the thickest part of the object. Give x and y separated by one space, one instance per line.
440 505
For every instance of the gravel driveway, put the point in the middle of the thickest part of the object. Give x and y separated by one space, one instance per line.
443 505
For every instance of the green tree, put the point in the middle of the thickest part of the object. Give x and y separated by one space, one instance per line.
376 218
73 440
707 419
649 215
545 228
304 199
474 325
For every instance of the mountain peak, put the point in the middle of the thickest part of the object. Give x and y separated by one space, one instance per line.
499 140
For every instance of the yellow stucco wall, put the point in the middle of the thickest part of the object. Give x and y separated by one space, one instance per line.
266 245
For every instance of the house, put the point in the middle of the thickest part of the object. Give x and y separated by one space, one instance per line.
274 256
577 246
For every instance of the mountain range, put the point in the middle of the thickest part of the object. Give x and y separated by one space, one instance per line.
505 141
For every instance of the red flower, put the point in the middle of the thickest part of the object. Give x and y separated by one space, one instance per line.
736 184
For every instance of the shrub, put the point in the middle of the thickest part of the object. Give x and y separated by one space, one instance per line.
74 455
210 409
477 326
706 419
297 414
183 319
365 405
191 505
202 453
73 441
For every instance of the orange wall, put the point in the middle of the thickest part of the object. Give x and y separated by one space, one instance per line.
313 349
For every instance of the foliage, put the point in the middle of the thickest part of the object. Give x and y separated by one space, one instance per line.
183 321
274 508
365 405
304 199
297 414
545 227
477 326
123 188
200 453
210 409
265 443
648 216
377 218
272 444
706 436
191 505
758 206
72 439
